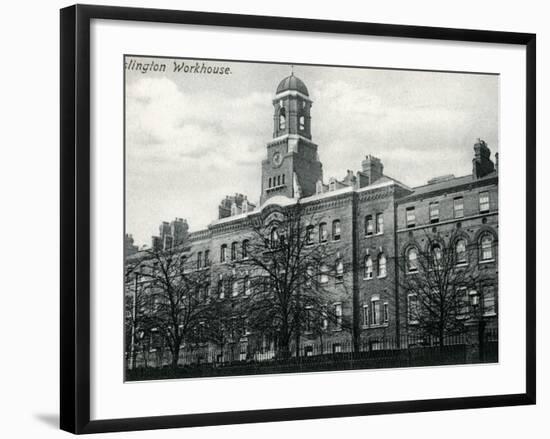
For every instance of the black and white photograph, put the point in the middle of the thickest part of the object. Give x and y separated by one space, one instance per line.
299 218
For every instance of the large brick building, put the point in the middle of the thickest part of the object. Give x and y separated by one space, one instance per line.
375 224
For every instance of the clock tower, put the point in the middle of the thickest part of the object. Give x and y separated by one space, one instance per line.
292 167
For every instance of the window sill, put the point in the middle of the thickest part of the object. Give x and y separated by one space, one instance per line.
367 278
487 261
414 322
490 314
461 264
382 277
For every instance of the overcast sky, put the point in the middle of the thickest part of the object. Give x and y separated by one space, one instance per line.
193 138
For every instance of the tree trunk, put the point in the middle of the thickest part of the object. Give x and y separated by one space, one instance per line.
175 356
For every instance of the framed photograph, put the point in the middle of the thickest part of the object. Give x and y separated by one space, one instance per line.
277 218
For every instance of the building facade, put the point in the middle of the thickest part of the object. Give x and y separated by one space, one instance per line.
373 223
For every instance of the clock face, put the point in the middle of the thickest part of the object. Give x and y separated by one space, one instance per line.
277 158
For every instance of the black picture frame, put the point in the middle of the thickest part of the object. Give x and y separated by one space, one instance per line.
75 217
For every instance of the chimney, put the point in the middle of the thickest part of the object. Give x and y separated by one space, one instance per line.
482 164
373 169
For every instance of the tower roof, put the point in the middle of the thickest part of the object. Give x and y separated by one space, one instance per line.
292 83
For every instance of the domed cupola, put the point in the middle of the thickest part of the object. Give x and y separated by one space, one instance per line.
292 83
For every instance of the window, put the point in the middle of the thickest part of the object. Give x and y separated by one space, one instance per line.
336 230
309 235
411 217
412 260
460 249
324 274
375 310
233 251
489 302
245 249
310 274
308 319
483 202
283 177
386 312
302 123
269 181
332 185
339 270
247 285
323 232
223 252
412 308
436 255
487 248
379 223
235 287
434 212
365 315
336 348
282 118
382 265
463 299
221 287
338 315
459 207
278 180
206 258
368 267
274 238
199 260
369 225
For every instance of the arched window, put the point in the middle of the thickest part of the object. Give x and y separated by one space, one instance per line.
282 118
274 238
486 248
323 232
332 185
460 251
302 123
412 260
382 272
339 269
206 258
336 230
368 267
223 253
436 255
235 287
233 251
245 249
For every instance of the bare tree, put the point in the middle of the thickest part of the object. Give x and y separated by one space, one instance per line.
174 293
437 280
288 273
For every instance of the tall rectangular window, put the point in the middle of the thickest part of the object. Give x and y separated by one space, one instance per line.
489 302
309 235
199 260
323 232
223 252
411 217
336 230
365 315
484 202
386 312
206 258
379 223
434 212
369 225
338 315
459 207
375 311
412 308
